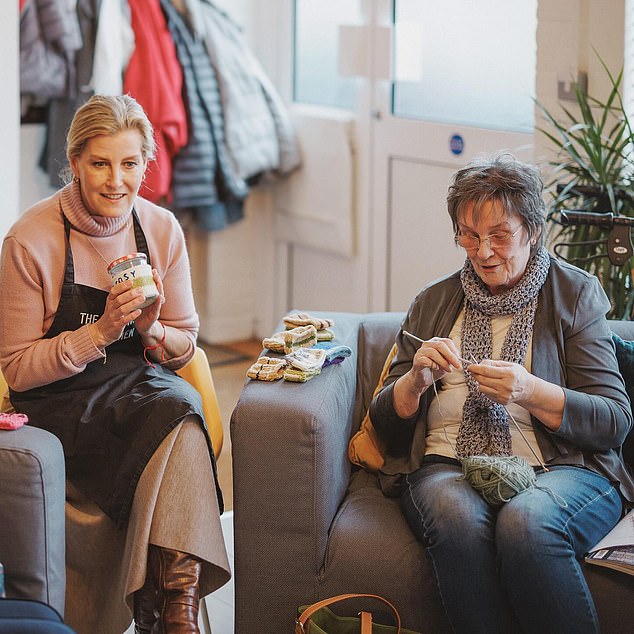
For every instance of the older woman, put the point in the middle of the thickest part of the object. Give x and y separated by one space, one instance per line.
516 360
89 361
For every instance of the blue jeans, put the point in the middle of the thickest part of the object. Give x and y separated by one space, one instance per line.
514 568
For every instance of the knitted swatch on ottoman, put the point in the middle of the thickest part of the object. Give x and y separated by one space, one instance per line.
307 359
267 369
289 340
325 335
300 376
304 319
334 353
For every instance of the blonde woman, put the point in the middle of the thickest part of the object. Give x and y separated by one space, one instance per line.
85 360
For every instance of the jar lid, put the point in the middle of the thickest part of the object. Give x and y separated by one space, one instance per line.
125 258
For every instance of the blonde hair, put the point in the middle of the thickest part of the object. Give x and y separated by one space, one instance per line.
107 115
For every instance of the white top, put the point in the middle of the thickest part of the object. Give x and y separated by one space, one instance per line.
445 411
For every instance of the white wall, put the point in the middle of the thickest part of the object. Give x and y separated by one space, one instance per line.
568 31
9 116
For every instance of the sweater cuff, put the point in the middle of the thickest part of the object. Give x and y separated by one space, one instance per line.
175 363
81 348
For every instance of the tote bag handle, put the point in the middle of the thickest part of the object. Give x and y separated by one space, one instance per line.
366 617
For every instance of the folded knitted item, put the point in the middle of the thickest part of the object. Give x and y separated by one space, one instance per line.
274 342
289 340
307 358
304 319
300 376
325 335
267 369
13 420
336 354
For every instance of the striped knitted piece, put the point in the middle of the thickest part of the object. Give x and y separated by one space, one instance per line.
267 369
325 335
300 337
300 376
307 358
288 340
304 319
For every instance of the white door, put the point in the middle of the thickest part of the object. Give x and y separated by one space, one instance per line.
433 84
422 131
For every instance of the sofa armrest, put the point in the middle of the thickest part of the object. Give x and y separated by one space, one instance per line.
32 539
290 473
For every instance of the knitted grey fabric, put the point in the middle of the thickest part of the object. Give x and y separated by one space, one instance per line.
485 428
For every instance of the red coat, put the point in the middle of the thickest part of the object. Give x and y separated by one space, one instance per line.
154 78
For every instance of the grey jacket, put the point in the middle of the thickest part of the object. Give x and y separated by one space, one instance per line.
258 130
204 180
49 40
572 347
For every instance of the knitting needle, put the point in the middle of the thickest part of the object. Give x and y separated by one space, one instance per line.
415 338
544 467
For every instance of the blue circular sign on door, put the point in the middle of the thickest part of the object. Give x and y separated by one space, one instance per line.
456 144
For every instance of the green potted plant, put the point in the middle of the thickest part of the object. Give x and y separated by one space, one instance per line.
593 171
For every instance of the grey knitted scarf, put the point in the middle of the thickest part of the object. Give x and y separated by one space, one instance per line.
485 428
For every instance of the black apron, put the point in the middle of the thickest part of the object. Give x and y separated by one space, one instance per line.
112 416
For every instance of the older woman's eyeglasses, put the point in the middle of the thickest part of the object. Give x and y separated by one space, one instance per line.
497 240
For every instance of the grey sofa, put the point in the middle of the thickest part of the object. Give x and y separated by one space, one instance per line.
32 540
307 525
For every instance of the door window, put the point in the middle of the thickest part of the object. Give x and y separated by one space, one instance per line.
470 62
315 74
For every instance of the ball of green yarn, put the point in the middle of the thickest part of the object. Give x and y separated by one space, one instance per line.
498 478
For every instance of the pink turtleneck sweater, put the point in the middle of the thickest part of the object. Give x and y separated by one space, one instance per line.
32 271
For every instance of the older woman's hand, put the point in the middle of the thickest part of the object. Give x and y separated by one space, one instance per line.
504 382
435 358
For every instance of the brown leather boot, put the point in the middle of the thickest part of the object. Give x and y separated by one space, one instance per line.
177 576
145 602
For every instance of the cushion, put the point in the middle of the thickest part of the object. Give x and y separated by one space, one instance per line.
625 357
366 448
32 483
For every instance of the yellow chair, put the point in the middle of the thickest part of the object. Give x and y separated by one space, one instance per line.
198 373
3 386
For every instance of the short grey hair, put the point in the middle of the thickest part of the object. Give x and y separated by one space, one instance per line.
500 178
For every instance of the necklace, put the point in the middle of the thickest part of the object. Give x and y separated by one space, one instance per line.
90 242
97 251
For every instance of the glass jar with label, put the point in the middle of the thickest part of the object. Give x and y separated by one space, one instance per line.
135 267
